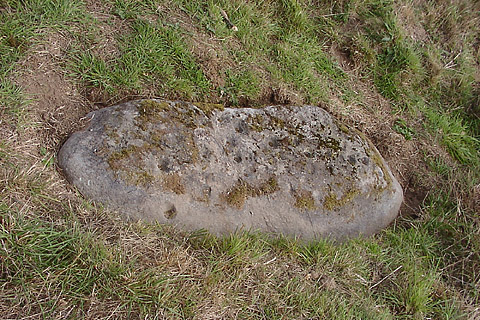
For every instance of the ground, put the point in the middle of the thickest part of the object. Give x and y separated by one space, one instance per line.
406 73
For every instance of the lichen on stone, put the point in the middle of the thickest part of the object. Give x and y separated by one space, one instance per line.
140 178
115 160
304 200
256 122
208 108
268 187
343 127
111 133
242 190
173 182
331 202
152 107
375 156
237 195
276 122
150 110
126 164
329 143
192 148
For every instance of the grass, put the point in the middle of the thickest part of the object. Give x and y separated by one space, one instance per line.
241 84
456 136
406 72
151 55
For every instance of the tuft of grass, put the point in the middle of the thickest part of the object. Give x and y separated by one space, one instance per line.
12 100
295 19
240 85
299 69
279 37
94 71
126 9
35 254
455 135
401 127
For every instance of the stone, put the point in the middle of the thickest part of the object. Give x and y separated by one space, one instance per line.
291 170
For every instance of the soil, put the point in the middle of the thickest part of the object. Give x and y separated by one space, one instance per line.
57 106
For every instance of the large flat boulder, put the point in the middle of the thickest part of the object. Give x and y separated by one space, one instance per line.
293 170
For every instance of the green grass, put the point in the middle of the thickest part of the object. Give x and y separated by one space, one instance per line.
35 254
240 84
62 257
286 279
152 55
456 137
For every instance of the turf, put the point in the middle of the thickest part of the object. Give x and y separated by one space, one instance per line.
405 72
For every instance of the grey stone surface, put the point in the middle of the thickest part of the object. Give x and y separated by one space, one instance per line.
291 170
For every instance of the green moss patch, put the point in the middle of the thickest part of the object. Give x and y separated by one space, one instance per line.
237 196
150 110
116 159
125 164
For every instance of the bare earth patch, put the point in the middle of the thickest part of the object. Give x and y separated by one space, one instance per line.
57 105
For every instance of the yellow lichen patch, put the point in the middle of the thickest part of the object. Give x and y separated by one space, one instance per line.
142 178
304 200
126 164
152 107
277 123
186 117
111 133
329 143
191 147
115 159
331 201
343 128
150 110
208 108
173 182
379 162
377 159
239 193
256 122
268 187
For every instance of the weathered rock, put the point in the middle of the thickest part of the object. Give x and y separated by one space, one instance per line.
290 170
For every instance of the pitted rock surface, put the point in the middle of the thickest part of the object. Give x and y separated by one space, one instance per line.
292 170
